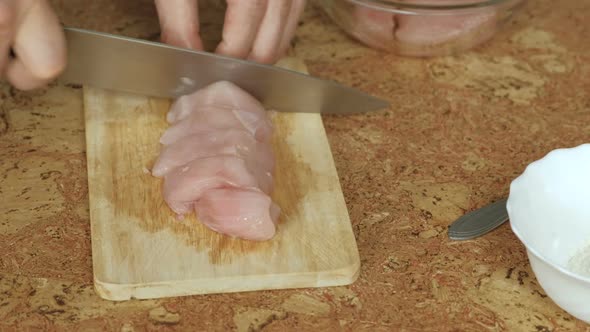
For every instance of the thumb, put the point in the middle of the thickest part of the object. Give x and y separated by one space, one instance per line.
179 23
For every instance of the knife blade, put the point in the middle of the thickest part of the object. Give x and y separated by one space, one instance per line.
154 69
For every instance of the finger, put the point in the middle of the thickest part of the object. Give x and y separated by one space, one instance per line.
270 32
39 45
240 27
179 22
297 8
22 78
6 32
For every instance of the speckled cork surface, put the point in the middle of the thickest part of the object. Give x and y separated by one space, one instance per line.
459 130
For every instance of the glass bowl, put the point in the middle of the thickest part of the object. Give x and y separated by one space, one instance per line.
421 28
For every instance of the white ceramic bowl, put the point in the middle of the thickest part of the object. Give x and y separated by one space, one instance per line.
549 210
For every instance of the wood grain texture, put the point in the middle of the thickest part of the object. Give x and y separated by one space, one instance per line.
140 250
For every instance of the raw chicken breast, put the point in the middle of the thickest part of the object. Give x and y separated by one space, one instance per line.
212 118
221 94
437 30
374 28
420 33
184 185
235 142
217 161
248 213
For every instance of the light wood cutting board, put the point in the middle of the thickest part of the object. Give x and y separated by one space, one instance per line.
140 250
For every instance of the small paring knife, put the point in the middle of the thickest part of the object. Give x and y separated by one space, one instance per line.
153 69
479 222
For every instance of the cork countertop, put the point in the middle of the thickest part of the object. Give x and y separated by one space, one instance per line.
460 129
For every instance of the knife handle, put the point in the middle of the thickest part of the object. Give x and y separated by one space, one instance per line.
479 222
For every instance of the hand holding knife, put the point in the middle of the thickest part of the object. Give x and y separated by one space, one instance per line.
149 68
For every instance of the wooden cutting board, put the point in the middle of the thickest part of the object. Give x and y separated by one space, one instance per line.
140 250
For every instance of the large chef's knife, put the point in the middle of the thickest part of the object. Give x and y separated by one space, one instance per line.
154 69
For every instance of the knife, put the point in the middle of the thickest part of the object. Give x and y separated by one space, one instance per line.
479 222
154 69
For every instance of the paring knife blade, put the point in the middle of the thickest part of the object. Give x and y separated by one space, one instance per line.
159 70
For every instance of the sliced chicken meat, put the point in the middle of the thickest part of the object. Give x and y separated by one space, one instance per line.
211 118
249 213
234 142
217 161
221 94
184 185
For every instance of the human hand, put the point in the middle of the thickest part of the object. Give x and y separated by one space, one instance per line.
257 30
32 31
